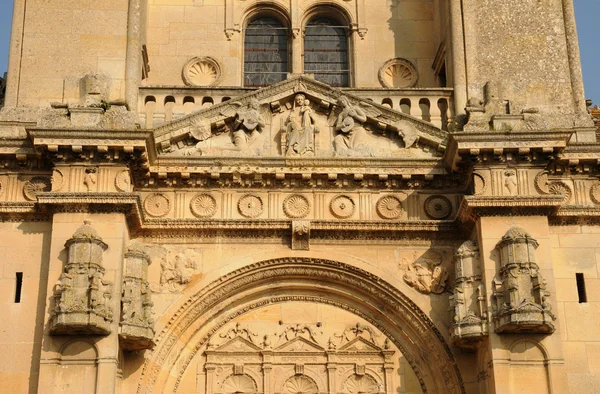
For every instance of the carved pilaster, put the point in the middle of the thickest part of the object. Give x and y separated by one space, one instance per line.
469 323
137 325
521 300
82 297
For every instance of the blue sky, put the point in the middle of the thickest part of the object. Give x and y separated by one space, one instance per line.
588 24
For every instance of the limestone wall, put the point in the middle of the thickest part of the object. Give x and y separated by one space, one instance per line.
24 248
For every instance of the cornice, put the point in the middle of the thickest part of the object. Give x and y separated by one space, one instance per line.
472 207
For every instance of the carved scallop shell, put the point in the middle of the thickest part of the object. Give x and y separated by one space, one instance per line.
398 73
57 180
438 207
203 205
202 71
364 384
123 181
389 207
239 384
562 189
300 384
594 193
541 182
296 206
342 207
36 185
157 205
479 184
250 206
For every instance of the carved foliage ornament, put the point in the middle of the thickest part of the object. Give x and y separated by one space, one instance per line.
438 207
157 205
202 71
389 207
398 73
342 207
296 206
34 186
203 205
250 206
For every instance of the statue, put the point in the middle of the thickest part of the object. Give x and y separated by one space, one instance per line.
248 124
351 138
300 128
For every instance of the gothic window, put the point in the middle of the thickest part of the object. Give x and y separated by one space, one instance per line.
326 51
265 52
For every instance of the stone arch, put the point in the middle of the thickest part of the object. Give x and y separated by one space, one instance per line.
309 280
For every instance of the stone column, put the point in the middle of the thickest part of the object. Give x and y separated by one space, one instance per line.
133 70
15 54
574 57
459 70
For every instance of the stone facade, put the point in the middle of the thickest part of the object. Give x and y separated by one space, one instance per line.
414 210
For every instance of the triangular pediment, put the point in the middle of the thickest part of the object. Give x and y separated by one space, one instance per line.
238 344
359 344
299 344
299 117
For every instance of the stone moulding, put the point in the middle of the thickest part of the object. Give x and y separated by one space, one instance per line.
81 296
473 206
521 301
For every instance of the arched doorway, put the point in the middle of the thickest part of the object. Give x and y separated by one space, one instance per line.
216 306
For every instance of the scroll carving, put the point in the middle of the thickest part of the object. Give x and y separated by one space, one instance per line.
81 296
521 301
469 313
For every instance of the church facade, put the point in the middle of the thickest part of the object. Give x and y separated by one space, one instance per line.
298 197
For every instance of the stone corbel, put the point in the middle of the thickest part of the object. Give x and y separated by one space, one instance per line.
230 32
301 235
361 31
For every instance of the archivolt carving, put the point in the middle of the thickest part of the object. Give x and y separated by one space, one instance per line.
419 336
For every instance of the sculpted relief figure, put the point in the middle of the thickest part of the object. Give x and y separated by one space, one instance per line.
428 273
351 140
300 128
248 125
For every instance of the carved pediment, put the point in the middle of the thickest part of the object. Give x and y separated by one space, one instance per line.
237 345
300 344
358 345
299 117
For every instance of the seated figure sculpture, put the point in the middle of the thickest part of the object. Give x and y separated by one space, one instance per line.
351 140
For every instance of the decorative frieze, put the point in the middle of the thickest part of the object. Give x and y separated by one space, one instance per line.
467 304
521 303
81 296
137 324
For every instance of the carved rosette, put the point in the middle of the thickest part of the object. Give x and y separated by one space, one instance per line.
296 206
202 71
541 182
521 301
157 205
398 73
203 205
57 180
595 193
81 297
468 306
389 207
250 206
342 207
438 207
136 331
563 189
36 185
123 181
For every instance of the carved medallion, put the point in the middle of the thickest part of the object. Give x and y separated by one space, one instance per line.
364 384
250 206
541 182
389 207
594 193
34 186
203 205
342 207
398 73
562 189
202 71
438 207
157 205
300 384
479 184
57 180
123 181
296 206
